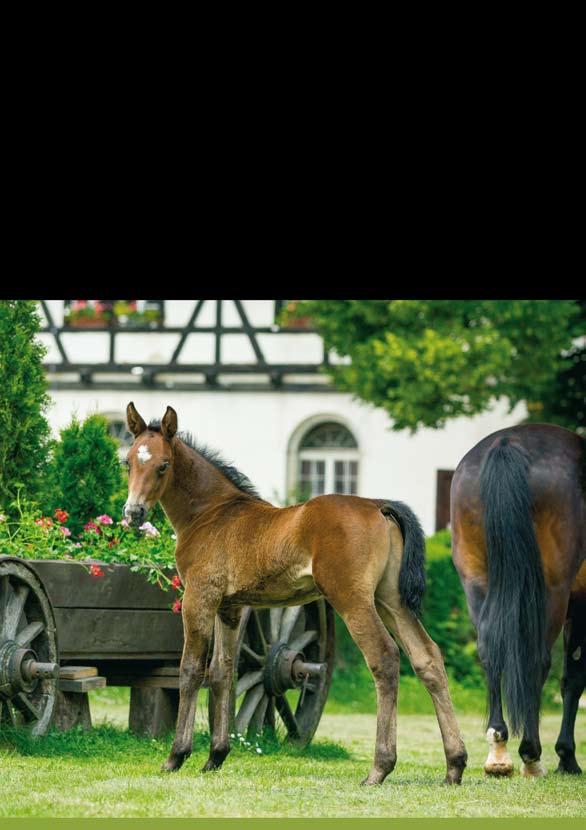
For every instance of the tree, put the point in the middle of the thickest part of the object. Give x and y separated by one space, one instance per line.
85 473
426 361
24 430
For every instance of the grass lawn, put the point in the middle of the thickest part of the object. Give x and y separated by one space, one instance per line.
108 772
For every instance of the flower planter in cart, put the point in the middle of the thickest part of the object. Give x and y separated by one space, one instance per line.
64 632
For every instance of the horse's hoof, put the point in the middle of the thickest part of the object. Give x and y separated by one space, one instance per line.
453 778
533 769
210 766
502 769
569 768
373 779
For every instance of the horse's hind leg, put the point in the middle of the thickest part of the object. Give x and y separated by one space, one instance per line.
382 657
573 682
427 660
499 762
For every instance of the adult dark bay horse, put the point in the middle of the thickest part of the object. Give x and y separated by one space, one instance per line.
366 556
518 526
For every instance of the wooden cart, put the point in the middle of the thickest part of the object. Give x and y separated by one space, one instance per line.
64 632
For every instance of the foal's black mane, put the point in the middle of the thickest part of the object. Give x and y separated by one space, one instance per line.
234 475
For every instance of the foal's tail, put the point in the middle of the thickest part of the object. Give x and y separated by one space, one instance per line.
511 627
412 573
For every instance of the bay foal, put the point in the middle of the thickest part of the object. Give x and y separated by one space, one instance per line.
366 556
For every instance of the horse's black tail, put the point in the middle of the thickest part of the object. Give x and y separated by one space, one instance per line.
511 627
412 573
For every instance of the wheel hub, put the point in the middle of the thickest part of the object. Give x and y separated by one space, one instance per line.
286 668
20 671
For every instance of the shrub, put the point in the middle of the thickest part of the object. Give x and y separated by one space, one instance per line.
85 475
24 431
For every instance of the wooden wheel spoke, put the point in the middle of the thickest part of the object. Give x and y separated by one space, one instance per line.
288 621
29 632
258 718
275 623
26 706
247 681
258 658
14 609
303 640
6 707
287 716
249 704
4 595
259 629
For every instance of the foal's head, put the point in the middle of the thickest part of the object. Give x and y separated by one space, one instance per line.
150 463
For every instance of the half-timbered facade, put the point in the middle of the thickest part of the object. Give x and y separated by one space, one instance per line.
253 389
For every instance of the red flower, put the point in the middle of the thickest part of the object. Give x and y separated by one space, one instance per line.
177 606
46 522
176 582
95 570
91 527
61 515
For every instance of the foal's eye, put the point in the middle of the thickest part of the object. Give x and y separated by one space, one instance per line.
163 467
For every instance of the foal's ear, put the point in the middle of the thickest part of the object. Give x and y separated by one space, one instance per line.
169 423
136 425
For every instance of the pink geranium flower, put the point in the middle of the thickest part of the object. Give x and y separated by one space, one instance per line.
65 531
91 527
104 519
149 529
177 606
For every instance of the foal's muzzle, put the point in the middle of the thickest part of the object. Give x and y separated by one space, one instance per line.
135 514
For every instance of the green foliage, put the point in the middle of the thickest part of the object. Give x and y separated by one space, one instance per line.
426 361
24 431
85 476
563 401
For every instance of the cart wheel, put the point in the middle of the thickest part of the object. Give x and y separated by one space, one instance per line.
29 658
285 659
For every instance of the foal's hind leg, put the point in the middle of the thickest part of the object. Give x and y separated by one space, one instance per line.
573 683
382 657
427 660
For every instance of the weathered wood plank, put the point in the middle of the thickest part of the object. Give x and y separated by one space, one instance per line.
85 684
152 681
70 585
77 672
89 634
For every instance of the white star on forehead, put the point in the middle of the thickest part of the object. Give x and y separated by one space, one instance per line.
143 454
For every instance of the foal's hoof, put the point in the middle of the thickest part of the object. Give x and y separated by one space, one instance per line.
211 765
533 769
172 764
373 779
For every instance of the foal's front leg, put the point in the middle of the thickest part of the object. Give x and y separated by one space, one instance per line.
198 626
221 687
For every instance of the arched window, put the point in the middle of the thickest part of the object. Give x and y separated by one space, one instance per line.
119 431
327 461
